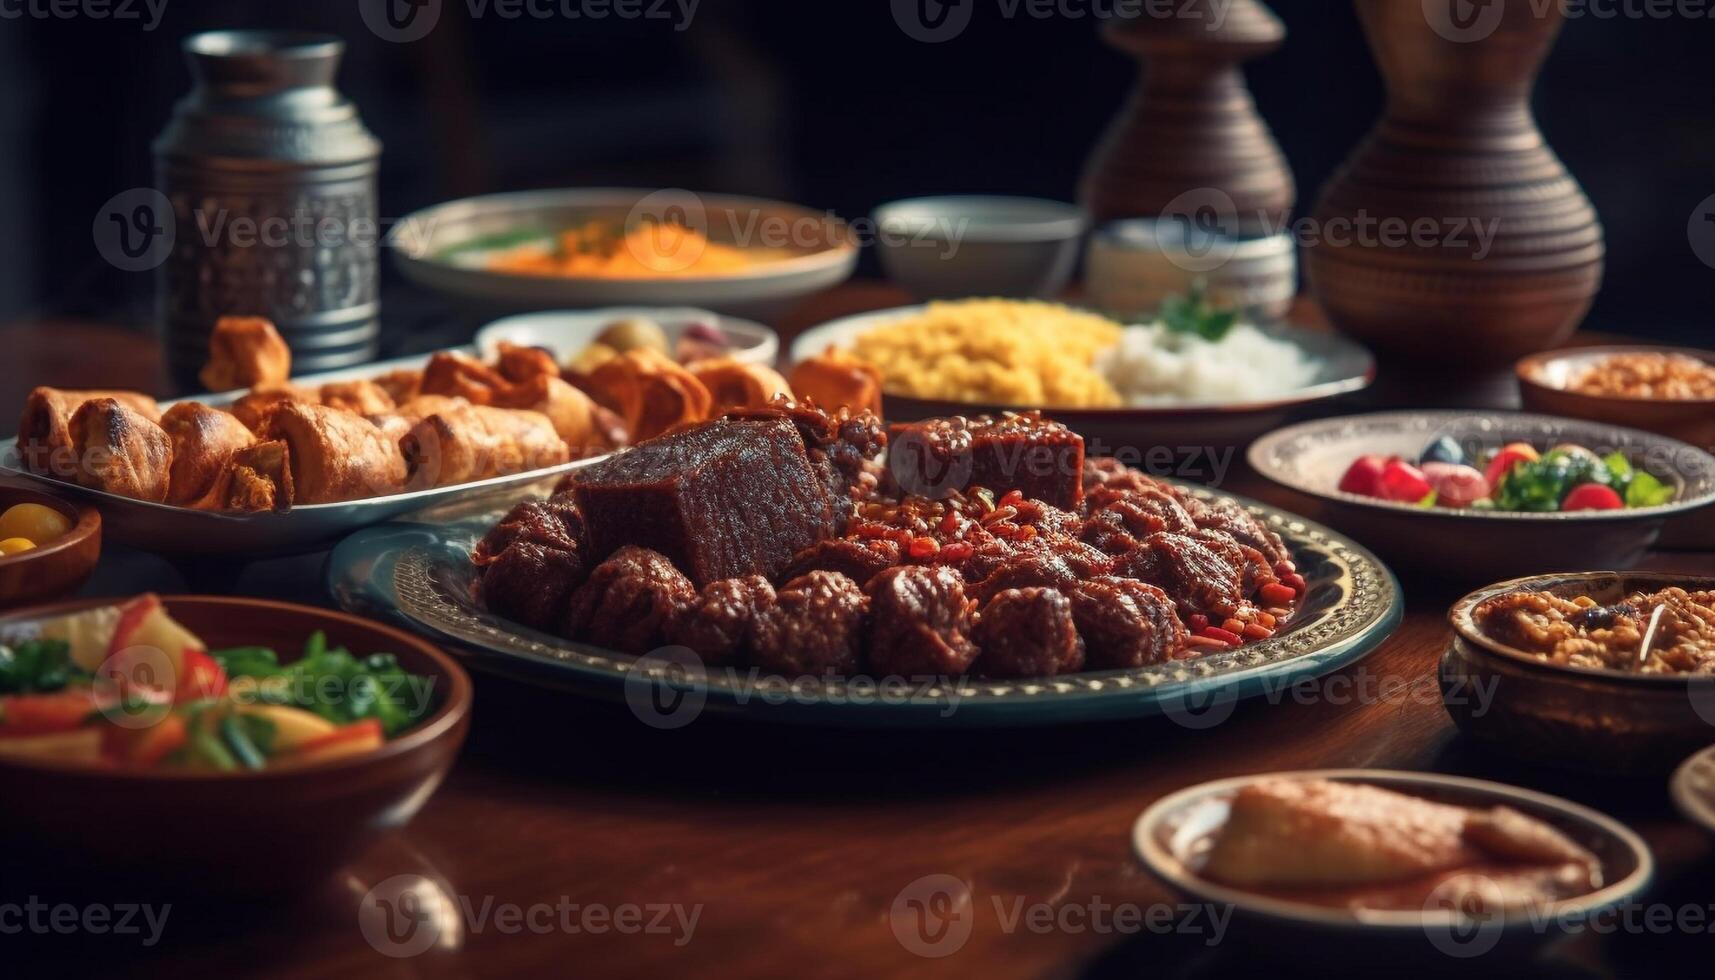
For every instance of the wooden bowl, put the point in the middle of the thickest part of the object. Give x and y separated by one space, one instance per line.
58 568
243 832
1574 717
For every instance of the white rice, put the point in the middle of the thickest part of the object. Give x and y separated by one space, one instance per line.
1153 365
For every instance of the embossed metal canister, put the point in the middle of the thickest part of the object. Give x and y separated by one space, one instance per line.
271 175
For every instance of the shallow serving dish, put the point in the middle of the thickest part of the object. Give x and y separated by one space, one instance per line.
1166 838
419 575
1473 545
245 831
57 568
1575 717
821 256
307 527
980 245
1693 789
566 332
1345 368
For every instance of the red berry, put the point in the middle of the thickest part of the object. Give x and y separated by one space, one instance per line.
1403 483
1364 476
1592 496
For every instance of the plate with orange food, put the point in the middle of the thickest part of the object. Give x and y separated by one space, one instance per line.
800 566
275 464
589 247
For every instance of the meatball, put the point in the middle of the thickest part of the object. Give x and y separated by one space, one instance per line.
1203 573
529 582
858 560
1125 623
628 601
555 523
815 626
1038 570
1049 521
920 623
1235 521
1143 512
1028 633
718 623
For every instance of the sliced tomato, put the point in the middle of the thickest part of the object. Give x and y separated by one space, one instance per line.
1512 454
40 714
1364 476
145 747
1592 496
200 678
352 739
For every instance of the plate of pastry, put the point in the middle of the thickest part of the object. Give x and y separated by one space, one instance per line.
274 464
818 567
1462 866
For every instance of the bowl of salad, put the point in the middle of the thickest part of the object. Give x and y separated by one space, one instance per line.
241 745
1492 495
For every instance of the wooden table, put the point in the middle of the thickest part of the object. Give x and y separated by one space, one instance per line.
792 846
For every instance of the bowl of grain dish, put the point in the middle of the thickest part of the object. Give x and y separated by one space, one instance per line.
1556 668
1192 376
1670 390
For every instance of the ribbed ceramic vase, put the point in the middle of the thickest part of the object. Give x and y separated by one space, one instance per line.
271 175
1454 234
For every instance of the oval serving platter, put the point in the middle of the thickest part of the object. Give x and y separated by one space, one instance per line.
418 574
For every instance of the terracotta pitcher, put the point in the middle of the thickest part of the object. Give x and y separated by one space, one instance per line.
1454 234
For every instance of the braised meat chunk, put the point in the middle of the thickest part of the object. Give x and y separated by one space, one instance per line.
815 626
858 560
1231 519
1203 574
530 582
721 500
718 623
629 601
1126 623
1028 633
553 523
1042 460
920 623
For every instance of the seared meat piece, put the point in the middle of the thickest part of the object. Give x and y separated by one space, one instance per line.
1234 520
531 561
814 627
1028 633
1203 573
1048 520
718 623
1043 460
840 445
554 523
1026 570
1143 512
920 623
1126 623
628 601
529 582
720 499
857 560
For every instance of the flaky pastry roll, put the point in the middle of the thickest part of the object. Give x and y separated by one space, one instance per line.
650 392
203 440
475 442
243 352
335 455
44 436
120 450
837 380
734 384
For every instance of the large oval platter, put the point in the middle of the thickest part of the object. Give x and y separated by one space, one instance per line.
417 573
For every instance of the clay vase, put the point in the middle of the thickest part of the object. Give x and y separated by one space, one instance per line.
1454 235
1190 138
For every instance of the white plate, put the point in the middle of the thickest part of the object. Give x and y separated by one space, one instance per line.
566 332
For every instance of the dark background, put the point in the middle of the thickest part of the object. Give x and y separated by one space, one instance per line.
824 102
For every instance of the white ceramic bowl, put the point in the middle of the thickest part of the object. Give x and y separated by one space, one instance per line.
566 332
973 245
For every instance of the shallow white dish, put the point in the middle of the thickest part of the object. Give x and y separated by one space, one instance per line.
566 332
1693 789
1166 835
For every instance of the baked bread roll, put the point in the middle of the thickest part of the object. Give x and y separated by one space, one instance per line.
120 450
203 440
44 435
649 391
835 380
